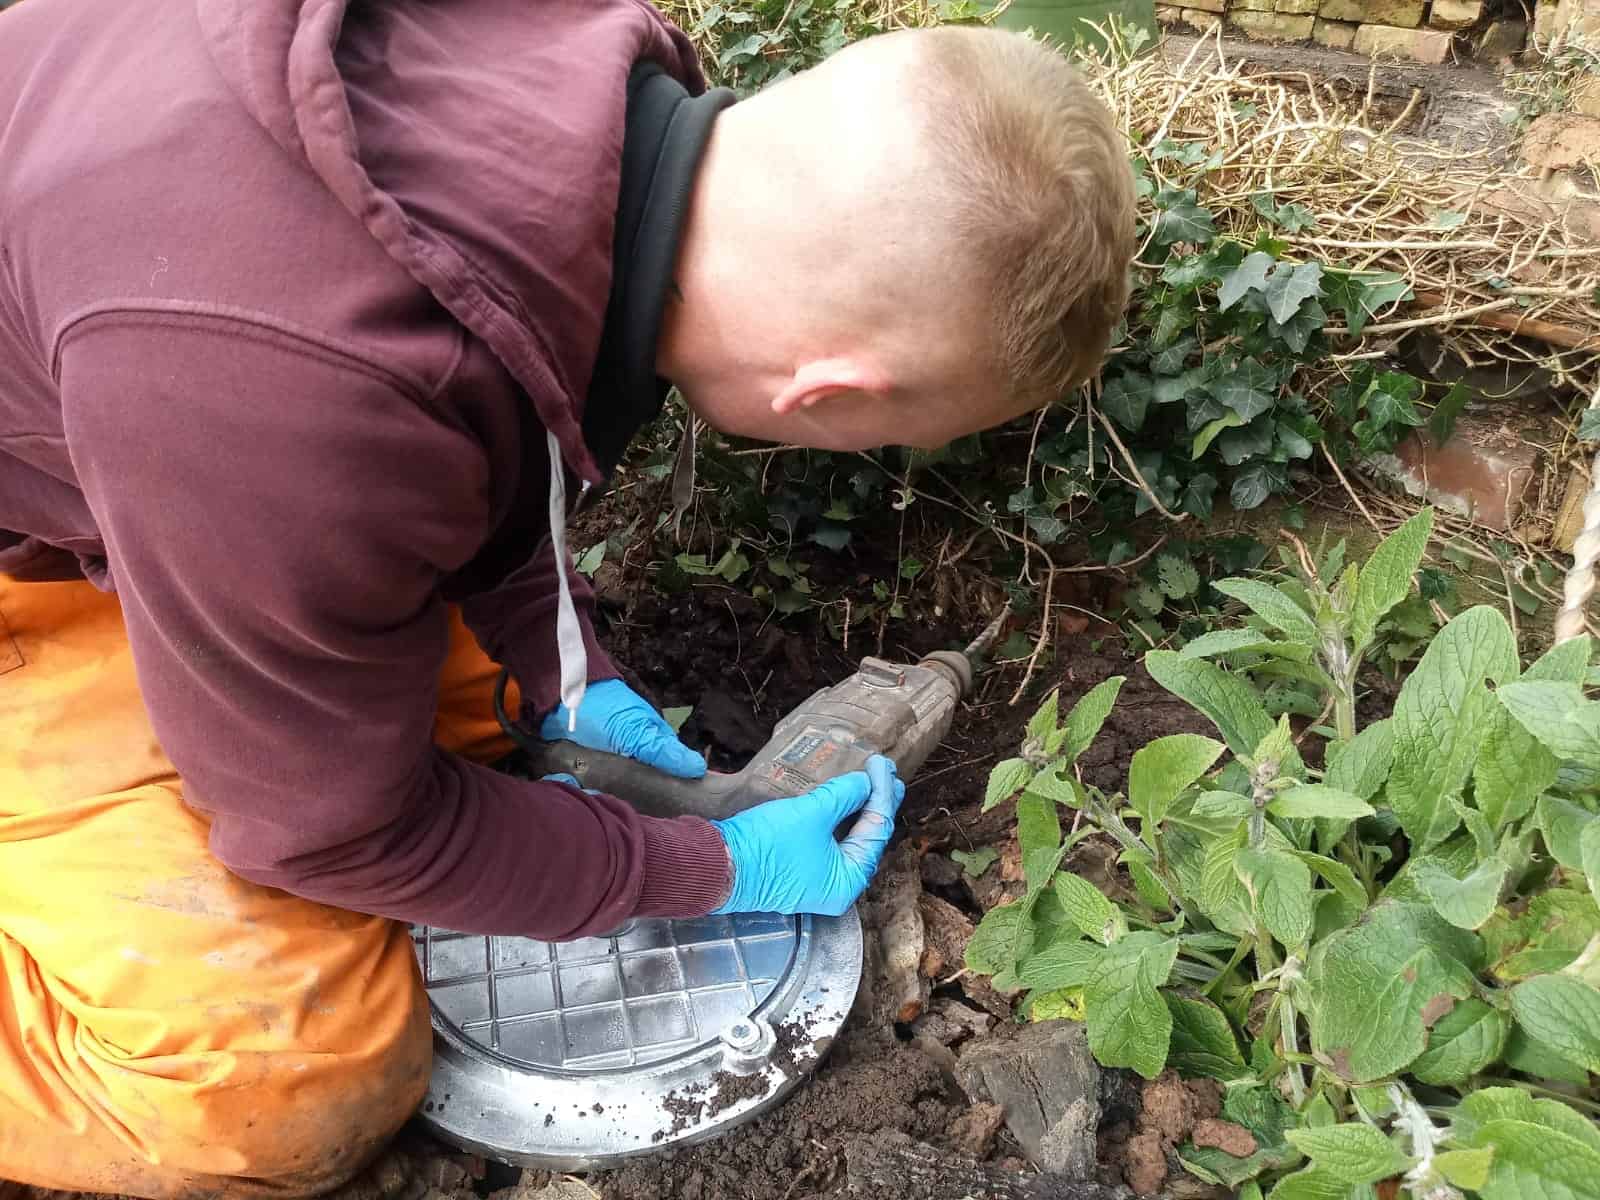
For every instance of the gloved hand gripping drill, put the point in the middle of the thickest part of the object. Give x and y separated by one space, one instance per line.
840 753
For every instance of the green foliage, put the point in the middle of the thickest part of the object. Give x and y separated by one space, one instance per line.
1360 941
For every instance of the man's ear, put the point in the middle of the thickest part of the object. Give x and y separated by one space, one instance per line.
822 378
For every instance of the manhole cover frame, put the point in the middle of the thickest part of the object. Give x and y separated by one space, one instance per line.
574 1119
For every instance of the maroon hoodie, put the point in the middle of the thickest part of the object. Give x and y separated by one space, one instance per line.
291 292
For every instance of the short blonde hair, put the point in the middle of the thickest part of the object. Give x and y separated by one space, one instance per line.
1041 191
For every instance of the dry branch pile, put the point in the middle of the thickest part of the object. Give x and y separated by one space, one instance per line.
1505 273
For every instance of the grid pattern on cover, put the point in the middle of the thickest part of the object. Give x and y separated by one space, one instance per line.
653 991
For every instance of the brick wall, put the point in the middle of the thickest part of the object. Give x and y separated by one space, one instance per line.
1429 31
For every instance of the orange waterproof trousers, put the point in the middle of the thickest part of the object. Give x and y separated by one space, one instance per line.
166 1028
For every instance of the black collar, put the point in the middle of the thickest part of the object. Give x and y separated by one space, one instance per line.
667 131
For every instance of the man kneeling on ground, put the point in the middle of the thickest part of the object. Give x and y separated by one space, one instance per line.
314 317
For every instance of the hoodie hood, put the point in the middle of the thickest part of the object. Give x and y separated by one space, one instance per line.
491 178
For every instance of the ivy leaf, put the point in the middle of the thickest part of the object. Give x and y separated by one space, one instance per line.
1005 781
1379 986
1203 1043
1589 425
1356 1153
1162 769
1297 332
1248 276
589 561
1360 298
1197 494
1440 718
1386 578
1312 800
1088 715
1125 402
1231 704
1088 909
831 537
1563 1012
1248 389
1129 1023
974 863
1289 286
1183 222
1442 422
1280 888
1208 434
1465 903
1170 360
1253 485
1470 1038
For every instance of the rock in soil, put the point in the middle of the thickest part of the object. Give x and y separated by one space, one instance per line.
1049 1086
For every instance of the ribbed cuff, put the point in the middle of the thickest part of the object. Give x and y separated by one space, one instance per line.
686 868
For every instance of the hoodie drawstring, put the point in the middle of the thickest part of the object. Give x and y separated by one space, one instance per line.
569 633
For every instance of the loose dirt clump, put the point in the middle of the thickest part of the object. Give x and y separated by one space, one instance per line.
1225 1136
1170 1110
871 1081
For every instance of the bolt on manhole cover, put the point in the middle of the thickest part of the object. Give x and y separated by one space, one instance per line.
571 1055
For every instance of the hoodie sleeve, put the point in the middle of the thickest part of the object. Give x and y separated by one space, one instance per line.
277 518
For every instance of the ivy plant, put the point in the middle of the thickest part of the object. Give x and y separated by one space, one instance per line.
1383 940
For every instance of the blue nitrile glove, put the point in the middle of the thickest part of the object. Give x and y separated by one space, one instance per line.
783 853
613 717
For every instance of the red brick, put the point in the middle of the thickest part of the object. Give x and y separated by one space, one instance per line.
1482 472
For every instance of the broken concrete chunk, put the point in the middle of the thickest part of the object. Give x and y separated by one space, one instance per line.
1049 1086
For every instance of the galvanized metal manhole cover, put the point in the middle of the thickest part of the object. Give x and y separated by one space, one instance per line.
580 1054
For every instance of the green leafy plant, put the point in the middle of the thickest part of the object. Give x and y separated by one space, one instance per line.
1383 940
